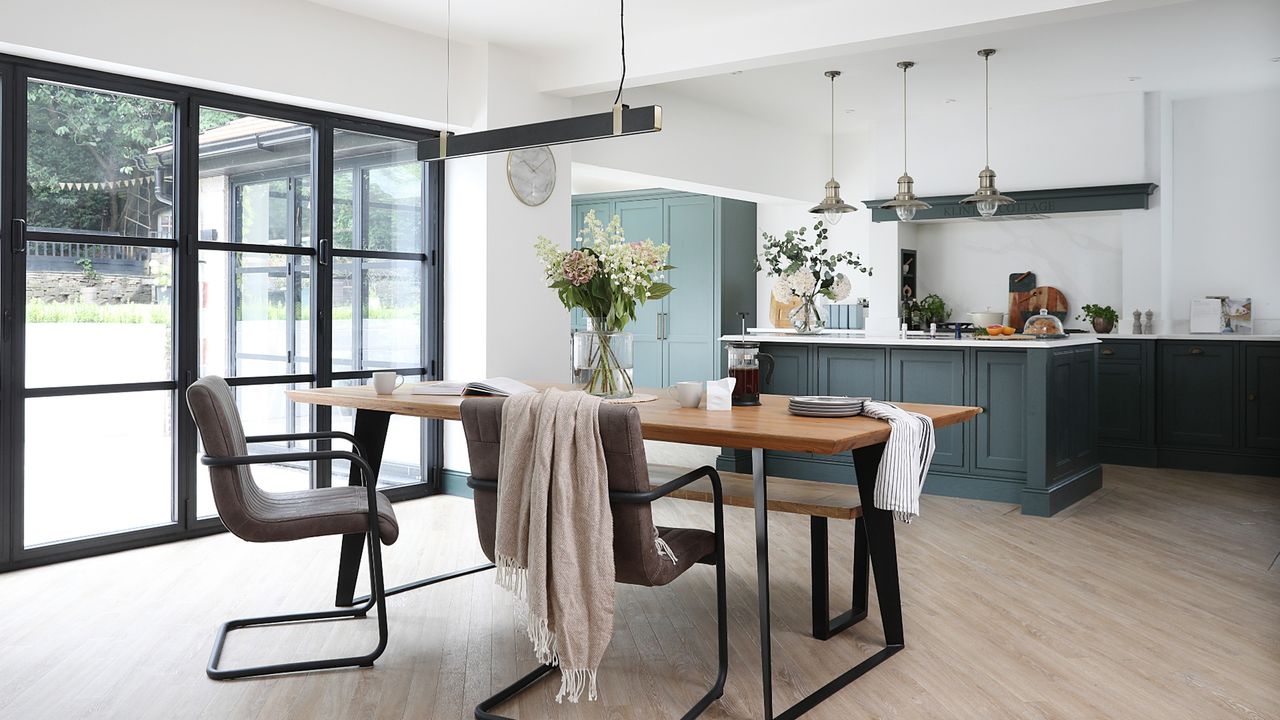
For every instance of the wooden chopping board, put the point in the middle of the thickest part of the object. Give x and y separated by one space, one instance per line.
1020 287
1048 298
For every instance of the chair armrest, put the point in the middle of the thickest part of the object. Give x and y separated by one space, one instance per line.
366 470
637 498
330 434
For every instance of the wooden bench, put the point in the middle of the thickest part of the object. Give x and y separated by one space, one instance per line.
821 502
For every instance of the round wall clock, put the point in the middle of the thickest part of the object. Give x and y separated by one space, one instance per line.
532 174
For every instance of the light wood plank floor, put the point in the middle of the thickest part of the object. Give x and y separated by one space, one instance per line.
1158 597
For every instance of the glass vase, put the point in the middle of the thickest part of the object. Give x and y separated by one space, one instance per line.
603 360
806 317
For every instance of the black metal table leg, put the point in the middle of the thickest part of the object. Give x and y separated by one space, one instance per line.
879 544
371 436
760 491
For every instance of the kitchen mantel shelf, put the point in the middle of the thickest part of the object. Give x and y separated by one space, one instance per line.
1031 202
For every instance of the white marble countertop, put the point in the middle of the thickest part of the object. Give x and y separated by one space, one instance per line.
1194 336
857 337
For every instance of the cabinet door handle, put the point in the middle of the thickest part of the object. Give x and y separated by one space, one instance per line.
1252 397
1197 351
1108 351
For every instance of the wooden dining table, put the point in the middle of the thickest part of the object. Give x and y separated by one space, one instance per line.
768 426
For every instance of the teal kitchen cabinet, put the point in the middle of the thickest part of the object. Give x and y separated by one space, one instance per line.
790 375
1001 392
1123 387
932 376
1262 395
1197 403
643 220
712 244
853 371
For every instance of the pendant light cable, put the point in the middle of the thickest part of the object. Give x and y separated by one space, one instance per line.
833 125
986 108
904 121
622 27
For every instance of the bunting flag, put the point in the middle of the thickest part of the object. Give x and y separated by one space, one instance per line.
108 185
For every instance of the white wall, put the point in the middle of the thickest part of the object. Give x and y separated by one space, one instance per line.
1226 241
1092 140
969 263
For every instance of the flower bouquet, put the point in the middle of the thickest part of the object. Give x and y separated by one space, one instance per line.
607 277
806 271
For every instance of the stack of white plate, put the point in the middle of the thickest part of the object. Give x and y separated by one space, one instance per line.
826 406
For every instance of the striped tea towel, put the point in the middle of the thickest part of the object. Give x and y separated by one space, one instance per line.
906 459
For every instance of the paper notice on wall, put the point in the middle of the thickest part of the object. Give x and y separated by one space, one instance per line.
1206 315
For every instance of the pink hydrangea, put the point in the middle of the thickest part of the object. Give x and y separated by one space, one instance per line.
578 267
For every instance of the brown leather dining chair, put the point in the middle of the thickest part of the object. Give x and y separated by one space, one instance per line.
255 515
635 555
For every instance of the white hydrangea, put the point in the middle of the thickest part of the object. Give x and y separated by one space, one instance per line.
782 289
803 283
841 288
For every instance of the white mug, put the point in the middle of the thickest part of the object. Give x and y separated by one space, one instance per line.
386 382
688 394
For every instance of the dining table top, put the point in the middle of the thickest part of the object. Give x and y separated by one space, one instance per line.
768 425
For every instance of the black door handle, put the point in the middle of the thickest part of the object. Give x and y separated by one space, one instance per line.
19 236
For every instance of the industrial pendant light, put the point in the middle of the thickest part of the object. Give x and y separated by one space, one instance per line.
987 198
905 202
832 208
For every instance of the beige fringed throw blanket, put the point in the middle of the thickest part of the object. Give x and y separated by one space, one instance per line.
554 539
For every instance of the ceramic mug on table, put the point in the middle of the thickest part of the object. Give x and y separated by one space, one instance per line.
386 382
688 394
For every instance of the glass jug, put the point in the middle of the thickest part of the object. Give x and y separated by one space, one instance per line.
744 368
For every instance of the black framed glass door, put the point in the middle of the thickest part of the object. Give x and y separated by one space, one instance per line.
153 233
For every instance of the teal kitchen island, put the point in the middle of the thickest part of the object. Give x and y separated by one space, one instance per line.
1035 443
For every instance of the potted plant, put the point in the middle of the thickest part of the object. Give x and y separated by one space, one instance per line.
1102 317
805 272
607 277
931 308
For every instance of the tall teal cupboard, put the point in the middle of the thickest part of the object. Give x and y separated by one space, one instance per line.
712 243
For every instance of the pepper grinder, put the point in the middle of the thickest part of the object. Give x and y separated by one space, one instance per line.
1137 322
1148 325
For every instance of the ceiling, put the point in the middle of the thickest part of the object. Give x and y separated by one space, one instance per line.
574 43
1188 49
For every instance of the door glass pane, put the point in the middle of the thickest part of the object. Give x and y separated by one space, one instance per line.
379 193
255 179
255 312
402 456
97 464
98 314
99 162
377 313
265 410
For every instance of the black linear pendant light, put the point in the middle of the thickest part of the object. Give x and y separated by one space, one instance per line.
619 122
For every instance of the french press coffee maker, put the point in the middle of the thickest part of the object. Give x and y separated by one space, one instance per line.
744 367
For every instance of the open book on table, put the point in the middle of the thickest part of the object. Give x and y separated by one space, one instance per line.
500 386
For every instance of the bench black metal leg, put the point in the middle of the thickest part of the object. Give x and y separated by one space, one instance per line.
371 438
825 626
884 563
